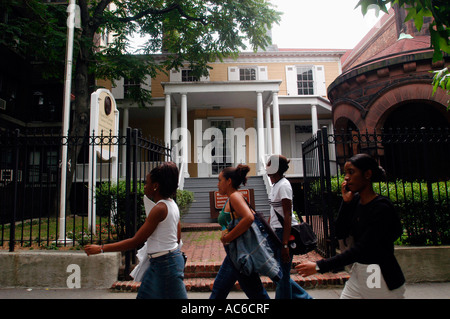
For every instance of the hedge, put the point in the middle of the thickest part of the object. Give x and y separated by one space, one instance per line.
111 197
426 220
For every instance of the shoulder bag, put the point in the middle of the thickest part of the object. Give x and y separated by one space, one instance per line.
303 237
251 252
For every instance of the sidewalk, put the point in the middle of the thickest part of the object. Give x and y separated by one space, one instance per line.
205 252
413 291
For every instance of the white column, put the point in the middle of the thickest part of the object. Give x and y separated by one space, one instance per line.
125 124
184 128
260 129
167 121
276 124
268 131
174 118
314 120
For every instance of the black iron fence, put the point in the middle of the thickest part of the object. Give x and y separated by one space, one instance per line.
30 187
418 180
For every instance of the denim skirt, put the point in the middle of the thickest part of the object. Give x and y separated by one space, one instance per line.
164 278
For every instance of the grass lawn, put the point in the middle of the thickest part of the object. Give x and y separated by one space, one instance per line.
41 234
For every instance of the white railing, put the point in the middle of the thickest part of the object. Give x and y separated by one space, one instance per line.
181 174
266 179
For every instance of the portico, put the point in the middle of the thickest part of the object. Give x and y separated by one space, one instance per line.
259 96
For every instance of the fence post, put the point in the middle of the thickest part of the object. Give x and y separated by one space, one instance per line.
133 225
305 185
327 193
127 194
426 164
15 154
325 223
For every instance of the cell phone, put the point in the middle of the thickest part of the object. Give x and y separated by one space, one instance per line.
347 188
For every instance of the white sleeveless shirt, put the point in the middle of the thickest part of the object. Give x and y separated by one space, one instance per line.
165 236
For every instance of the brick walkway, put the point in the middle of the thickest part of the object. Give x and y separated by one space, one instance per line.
205 253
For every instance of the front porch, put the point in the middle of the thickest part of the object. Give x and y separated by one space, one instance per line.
267 123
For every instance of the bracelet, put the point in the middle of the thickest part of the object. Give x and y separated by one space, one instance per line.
101 249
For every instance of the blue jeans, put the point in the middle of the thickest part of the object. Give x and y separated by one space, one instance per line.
286 287
228 275
164 278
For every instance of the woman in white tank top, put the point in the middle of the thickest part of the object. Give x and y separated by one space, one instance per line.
162 231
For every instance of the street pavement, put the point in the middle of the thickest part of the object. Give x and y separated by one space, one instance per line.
413 291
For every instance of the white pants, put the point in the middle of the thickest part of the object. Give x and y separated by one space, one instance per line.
367 282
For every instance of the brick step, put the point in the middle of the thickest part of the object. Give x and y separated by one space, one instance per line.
199 277
205 284
210 270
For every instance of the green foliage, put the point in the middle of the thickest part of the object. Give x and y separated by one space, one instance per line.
36 31
193 32
442 79
425 216
110 198
183 199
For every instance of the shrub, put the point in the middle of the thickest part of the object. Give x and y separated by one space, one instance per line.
426 220
111 200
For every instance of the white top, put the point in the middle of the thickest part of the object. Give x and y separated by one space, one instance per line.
165 236
280 190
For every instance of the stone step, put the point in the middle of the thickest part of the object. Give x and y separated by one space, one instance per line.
205 284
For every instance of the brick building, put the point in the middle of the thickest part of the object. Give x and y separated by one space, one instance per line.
386 80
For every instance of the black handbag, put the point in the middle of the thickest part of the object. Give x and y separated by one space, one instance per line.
303 237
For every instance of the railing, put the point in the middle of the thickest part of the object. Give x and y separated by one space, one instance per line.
418 180
29 187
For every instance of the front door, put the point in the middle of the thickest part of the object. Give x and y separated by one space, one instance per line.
221 154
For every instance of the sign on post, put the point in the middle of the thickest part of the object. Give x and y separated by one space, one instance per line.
104 121
217 201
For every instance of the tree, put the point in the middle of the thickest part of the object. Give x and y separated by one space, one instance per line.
196 32
439 29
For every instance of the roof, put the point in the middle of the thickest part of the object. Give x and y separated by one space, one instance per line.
405 45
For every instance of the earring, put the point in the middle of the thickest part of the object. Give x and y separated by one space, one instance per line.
155 188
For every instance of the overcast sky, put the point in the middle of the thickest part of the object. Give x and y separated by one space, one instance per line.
321 24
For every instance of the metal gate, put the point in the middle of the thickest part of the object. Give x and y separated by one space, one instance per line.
142 156
30 179
317 189
417 180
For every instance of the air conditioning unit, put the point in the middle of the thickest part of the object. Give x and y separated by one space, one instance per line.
2 104
6 175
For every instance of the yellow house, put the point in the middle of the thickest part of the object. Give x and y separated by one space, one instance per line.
248 108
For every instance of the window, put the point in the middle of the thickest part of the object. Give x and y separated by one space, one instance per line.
129 85
247 74
42 170
305 80
187 76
